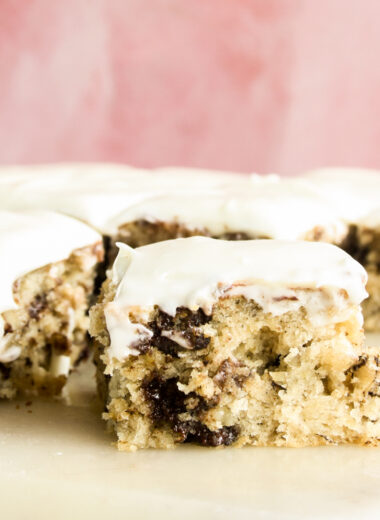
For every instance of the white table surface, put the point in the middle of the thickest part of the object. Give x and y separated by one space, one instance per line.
57 462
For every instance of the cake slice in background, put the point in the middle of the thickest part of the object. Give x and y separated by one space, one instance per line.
262 207
363 243
48 268
356 195
232 343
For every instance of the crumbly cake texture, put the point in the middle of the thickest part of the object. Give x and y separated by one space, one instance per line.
277 369
46 282
49 327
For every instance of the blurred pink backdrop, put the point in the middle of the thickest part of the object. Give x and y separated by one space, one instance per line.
264 85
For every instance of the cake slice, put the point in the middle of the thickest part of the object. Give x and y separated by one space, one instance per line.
356 195
235 343
48 267
363 243
263 207
97 193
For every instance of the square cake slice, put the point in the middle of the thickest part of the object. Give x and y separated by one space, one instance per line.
48 267
254 342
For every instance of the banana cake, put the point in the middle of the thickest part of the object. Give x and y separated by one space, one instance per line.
48 267
356 195
363 243
235 343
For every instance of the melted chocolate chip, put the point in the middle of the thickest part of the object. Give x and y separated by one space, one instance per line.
8 328
143 346
194 431
5 371
351 244
185 323
187 318
167 346
167 402
164 321
196 340
37 306
60 344
361 362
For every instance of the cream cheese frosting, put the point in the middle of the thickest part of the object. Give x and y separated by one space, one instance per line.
353 192
33 239
372 220
107 196
266 208
195 272
96 193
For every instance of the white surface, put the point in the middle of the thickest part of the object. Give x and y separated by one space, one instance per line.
57 462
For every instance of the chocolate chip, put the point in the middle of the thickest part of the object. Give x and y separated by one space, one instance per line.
167 402
196 340
183 323
188 318
37 306
101 268
5 371
166 345
164 321
351 244
362 360
8 328
194 431
60 344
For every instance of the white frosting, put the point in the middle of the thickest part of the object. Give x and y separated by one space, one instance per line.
96 193
107 196
195 272
372 220
353 192
30 240
282 210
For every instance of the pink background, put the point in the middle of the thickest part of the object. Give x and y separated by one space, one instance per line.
259 85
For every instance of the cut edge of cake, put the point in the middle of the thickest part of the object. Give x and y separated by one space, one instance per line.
205 341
